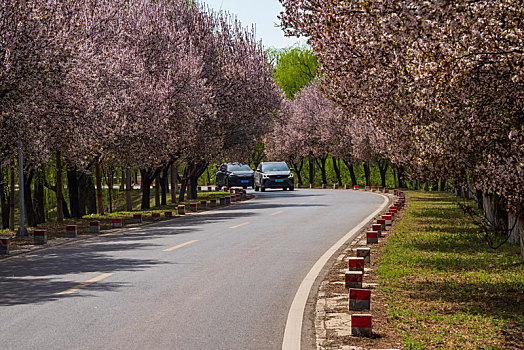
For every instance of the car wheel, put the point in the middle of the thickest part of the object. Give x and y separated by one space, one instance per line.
284 188
263 189
244 187
292 188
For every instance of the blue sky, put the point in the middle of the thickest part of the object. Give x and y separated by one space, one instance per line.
262 13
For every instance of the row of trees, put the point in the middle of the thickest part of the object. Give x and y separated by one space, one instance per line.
91 86
436 87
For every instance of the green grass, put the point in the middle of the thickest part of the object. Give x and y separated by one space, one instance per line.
447 289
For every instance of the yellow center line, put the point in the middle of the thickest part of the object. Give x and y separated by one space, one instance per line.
86 283
240 225
179 246
276 213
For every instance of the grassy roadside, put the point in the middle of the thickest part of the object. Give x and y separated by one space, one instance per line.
444 287
55 230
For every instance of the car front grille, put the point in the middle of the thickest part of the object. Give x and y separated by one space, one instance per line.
278 176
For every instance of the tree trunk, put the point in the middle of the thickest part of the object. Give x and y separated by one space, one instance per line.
4 197
110 178
521 235
82 193
129 202
72 187
12 199
157 190
400 176
164 184
148 176
183 182
501 215
442 185
99 197
59 196
513 227
395 182
349 165
336 167
174 183
312 170
28 198
321 162
39 202
91 195
367 174
434 186
383 165
479 199
488 207
298 169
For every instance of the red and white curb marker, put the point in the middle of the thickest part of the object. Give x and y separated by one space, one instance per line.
388 219
365 253
193 206
4 245
372 237
212 203
353 279
137 218
356 264
373 189
94 226
203 204
361 325
40 237
168 214
355 188
117 223
382 223
181 210
367 188
71 231
386 190
359 299
155 216
378 228
380 188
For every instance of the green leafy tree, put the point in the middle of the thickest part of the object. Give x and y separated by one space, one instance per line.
294 67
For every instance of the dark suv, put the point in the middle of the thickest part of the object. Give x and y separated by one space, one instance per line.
274 175
234 175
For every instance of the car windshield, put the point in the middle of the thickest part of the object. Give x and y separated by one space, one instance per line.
275 167
238 167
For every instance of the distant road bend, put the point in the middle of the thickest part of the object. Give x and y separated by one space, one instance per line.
223 279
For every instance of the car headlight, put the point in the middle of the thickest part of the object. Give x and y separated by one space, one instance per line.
264 176
290 174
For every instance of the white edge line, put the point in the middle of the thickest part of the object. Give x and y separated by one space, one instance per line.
293 330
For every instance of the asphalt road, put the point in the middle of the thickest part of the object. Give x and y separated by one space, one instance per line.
223 279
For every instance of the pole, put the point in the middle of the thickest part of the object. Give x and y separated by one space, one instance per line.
22 231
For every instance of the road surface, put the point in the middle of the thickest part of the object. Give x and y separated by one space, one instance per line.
223 279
